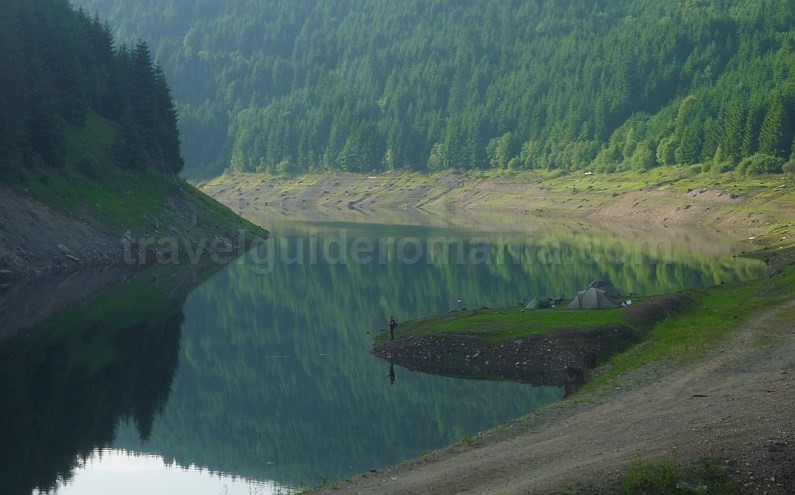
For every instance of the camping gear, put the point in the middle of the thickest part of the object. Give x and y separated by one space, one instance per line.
539 303
604 285
592 298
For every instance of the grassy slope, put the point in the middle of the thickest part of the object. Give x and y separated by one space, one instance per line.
495 325
118 199
91 189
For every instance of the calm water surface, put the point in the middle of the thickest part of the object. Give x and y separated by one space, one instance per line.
261 380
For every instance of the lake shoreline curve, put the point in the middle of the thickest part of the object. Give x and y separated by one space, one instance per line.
731 406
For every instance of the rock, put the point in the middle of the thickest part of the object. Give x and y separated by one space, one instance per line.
691 488
7 276
73 258
63 248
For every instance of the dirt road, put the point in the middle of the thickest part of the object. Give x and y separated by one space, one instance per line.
734 406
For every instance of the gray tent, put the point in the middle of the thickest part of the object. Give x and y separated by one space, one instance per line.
592 299
602 285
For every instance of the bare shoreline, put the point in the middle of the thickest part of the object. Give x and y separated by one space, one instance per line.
750 208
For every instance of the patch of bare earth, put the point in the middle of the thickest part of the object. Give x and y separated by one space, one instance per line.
734 406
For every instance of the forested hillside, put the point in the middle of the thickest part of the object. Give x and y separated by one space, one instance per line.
62 73
362 85
89 147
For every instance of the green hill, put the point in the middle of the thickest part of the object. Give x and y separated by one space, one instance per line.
89 149
361 85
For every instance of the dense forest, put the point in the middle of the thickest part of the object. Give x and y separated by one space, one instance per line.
60 67
362 85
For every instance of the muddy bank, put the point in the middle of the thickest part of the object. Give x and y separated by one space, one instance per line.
537 360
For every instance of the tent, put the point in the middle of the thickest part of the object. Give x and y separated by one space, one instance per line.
539 304
592 298
602 285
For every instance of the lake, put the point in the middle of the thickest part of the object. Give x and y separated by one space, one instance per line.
256 377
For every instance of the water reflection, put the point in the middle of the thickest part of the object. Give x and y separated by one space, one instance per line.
126 473
264 371
65 385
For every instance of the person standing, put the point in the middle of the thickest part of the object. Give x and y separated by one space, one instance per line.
392 325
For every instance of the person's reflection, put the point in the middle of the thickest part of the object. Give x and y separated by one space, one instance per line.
391 374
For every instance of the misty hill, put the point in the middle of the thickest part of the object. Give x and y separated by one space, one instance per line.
361 85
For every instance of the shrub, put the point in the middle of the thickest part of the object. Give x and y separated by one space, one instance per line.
759 164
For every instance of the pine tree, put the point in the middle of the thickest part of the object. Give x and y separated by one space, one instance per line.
771 135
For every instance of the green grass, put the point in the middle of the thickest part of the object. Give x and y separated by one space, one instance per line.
669 478
500 324
90 187
716 316
713 316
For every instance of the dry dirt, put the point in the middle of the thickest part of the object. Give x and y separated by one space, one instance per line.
36 239
396 197
734 406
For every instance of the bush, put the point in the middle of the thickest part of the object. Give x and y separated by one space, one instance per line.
722 168
759 164
90 167
789 167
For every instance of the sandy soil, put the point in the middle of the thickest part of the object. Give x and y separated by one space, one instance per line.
734 406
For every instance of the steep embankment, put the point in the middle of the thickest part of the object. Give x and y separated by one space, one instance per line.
138 222
90 237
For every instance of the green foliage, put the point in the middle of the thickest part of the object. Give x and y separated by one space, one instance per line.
669 478
761 163
59 67
502 324
432 84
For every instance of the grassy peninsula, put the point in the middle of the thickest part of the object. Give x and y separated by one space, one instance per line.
680 336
